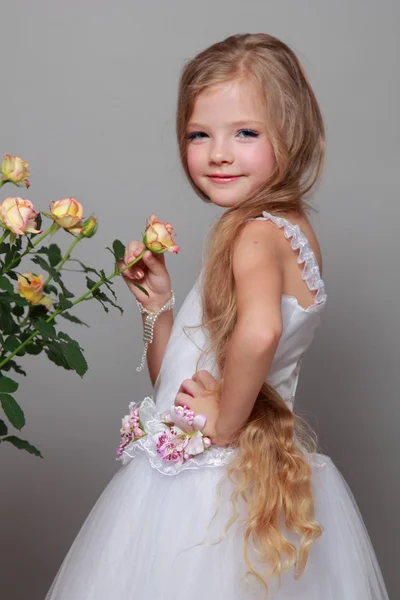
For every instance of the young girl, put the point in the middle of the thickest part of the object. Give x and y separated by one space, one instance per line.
283 522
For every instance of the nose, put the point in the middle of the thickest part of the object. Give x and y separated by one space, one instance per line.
221 153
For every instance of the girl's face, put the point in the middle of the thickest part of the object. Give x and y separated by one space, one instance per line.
229 155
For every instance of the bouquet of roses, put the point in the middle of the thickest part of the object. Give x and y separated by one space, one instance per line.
31 303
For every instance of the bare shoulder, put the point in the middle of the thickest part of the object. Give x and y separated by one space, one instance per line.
258 243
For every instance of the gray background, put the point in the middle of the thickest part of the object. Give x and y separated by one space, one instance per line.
88 99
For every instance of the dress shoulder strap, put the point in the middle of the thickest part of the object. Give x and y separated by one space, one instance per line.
298 241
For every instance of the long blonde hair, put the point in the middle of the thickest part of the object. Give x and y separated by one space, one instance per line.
272 475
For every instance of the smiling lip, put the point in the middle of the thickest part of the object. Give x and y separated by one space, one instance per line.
220 178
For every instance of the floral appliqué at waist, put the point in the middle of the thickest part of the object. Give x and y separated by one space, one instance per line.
173 441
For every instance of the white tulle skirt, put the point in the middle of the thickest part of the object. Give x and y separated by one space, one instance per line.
149 537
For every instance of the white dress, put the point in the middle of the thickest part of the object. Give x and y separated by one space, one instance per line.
150 534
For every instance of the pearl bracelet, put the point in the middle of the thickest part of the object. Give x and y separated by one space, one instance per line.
148 326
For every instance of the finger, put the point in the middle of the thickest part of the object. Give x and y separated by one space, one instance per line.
155 263
132 251
182 399
206 380
193 388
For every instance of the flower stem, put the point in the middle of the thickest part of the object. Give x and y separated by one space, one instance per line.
65 258
27 249
80 299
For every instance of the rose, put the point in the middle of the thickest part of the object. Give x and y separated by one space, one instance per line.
14 169
89 227
18 215
30 287
158 237
68 213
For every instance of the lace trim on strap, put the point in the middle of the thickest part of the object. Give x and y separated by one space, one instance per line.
311 274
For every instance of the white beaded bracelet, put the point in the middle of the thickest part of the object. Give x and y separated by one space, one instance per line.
148 326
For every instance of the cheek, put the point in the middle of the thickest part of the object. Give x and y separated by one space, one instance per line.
195 161
261 160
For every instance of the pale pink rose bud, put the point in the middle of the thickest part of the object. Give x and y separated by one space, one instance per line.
158 237
15 170
137 432
207 442
31 287
18 215
68 214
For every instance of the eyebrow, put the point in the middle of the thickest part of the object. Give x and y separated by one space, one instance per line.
234 124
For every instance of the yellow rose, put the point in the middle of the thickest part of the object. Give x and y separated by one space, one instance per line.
15 169
158 237
68 214
31 287
18 215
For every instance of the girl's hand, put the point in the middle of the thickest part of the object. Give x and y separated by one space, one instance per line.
150 272
200 394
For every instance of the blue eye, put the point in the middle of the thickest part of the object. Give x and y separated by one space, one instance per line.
196 135
248 133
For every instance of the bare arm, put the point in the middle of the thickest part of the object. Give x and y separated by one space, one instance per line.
258 278
151 273
156 350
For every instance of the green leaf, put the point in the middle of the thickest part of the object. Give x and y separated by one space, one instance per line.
48 289
119 250
8 385
90 283
7 298
54 354
38 221
33 349
102 297
13 411
73 319
22 445
5 284
53 253
11 364
74 357
18 310
43 264
38 260
84 267
11 343
3 428
46 330
7 324
12 275
4 248
108 284
141 289
63 302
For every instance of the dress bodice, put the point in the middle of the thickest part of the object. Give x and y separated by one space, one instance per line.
299 324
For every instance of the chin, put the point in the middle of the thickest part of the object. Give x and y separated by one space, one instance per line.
225 202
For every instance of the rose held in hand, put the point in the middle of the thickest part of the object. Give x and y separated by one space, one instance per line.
30 287
68 214
158 237
14 170
18 215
